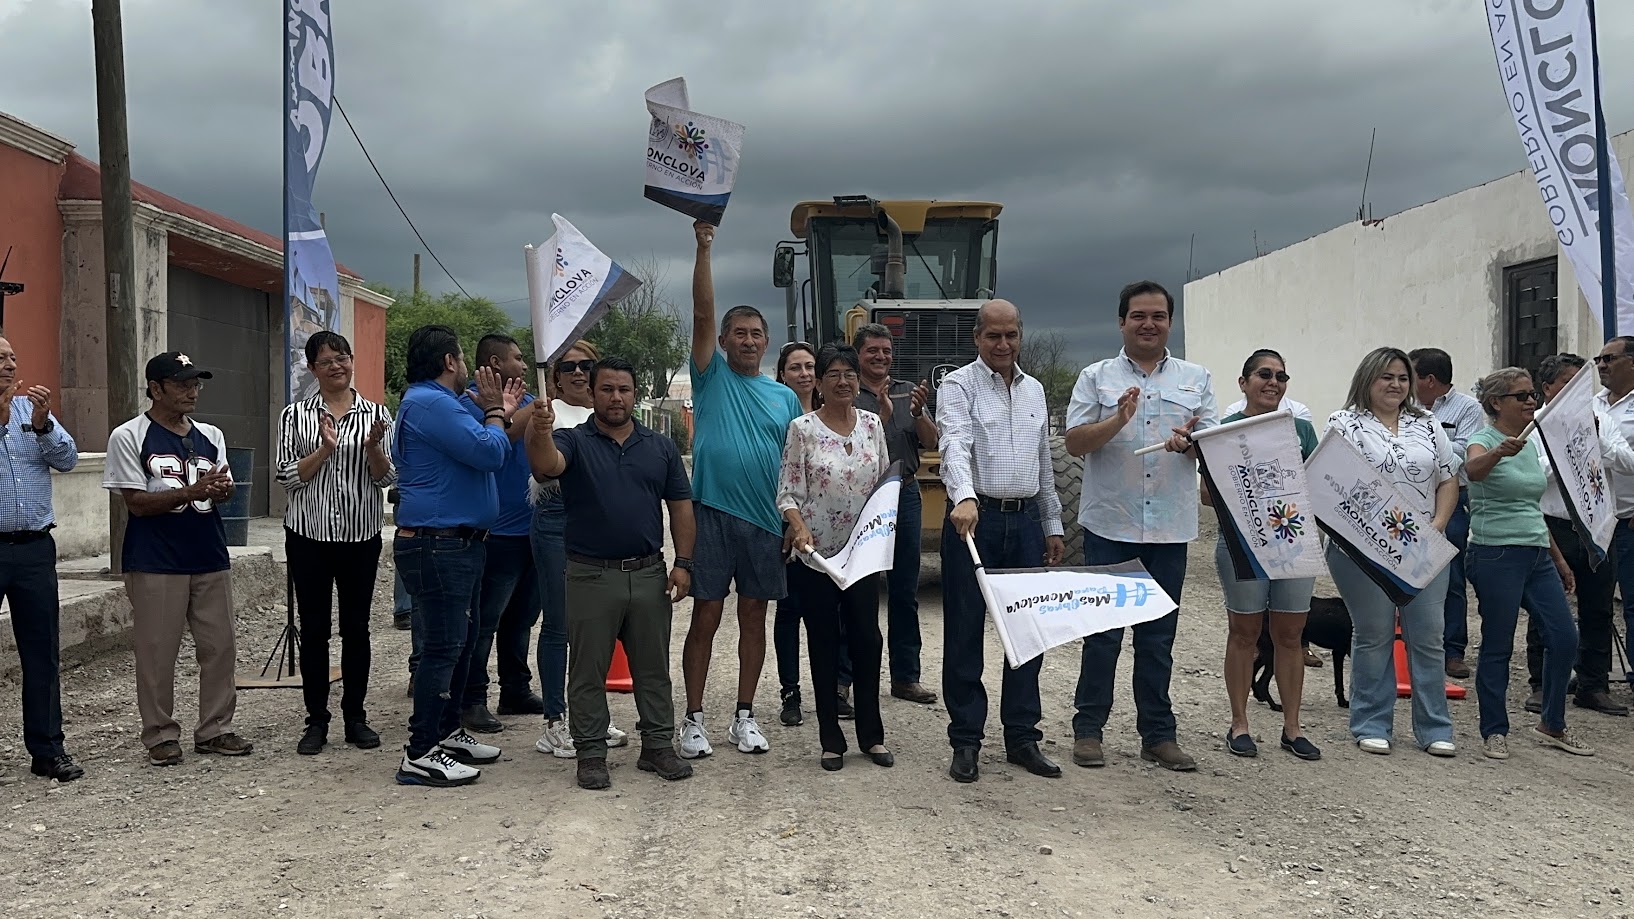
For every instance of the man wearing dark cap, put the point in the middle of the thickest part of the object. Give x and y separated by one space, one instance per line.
172 471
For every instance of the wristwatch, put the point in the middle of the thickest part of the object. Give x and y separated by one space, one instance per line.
685 564
42 430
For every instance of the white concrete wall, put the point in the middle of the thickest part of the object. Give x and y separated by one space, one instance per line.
1431 276
81 507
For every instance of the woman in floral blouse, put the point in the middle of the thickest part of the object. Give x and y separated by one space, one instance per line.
832 459
1411 451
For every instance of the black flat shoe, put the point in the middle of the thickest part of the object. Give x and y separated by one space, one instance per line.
964 768
883 759
1301 747
360 735
313 740
833 763
1032 759
530 704
1243 744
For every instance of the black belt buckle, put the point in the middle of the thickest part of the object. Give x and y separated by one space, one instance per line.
627 565
1006 505
20 537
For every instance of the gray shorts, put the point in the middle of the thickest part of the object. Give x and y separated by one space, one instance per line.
730 548
1285 595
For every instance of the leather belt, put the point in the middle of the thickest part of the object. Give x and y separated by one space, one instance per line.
1004 505
18 537
471 533
618 564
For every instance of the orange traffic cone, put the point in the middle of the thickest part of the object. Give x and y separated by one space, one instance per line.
1404 681
618 675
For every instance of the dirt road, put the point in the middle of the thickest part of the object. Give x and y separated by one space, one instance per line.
276 834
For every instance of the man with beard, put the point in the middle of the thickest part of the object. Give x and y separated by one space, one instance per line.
614 468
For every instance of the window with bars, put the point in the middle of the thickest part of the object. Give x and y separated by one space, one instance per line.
1531 313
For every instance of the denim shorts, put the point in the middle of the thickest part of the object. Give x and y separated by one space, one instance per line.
1286 595
730 548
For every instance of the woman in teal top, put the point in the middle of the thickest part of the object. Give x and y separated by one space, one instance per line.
1513 563
1284 601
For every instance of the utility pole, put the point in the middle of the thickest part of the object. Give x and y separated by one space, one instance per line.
118 239
416 274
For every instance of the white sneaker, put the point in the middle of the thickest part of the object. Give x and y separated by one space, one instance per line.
557 740
746 734
1441 748
616 737
469 750
694 740
436 769
1377 745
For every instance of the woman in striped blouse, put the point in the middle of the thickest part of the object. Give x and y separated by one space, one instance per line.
333 462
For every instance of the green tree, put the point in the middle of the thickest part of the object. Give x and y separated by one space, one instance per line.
1044 355
469 317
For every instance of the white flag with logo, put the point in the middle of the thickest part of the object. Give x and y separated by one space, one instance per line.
1546 65
571 285
872 545
692 159
1369 520
1256 478
1570 437
1036 609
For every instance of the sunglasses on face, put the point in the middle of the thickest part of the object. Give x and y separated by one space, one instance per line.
1600 360
1266 373
795 346
583 367
1522 396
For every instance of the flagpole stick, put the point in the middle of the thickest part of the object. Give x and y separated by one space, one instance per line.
992 603
1603 211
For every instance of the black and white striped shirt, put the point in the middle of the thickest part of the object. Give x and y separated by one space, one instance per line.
342 503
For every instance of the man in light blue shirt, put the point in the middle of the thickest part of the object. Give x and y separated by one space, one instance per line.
740 418
1138 508
1460 416
32 444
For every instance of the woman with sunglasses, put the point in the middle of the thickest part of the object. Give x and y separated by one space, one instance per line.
1513 562
832 459
1281 602
570 385
796 369
1410 450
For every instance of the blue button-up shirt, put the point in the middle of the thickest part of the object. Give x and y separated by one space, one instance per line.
511 482
445 461
1151 498
26 461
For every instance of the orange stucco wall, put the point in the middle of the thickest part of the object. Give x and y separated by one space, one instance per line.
369 346
31 227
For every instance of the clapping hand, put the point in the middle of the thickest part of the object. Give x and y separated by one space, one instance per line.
490 389
511 395
883 397
41 397
920 396
377 433
1180 442
327 432
1129 404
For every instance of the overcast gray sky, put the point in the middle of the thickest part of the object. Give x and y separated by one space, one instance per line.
1110 131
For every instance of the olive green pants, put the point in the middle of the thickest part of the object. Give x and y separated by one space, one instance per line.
605 606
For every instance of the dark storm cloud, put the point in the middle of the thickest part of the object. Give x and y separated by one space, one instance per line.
1111 136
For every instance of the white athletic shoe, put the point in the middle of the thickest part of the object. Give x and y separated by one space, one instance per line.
557 740
1442 748
1374 745
694 739
616 737
746 734
436 769
468 749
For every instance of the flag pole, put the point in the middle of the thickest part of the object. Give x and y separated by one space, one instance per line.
991 602
1608 222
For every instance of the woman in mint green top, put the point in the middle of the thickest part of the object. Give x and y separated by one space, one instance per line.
1513 563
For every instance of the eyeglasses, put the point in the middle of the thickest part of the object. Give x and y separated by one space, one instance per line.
344 360
1266 373
1600 360
583 367
1529 396
841 376
193 385
795 346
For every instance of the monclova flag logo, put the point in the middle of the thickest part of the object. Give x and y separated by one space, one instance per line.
692 159
571 285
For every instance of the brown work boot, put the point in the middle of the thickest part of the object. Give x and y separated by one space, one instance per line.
913 692
593 773
664 763
1457 669
1169 755
1311 660
228 744
166 753
1086 751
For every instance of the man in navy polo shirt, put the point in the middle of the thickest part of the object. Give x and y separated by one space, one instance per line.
613 468
172 471
446 462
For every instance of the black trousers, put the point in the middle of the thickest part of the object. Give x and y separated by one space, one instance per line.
823 606
28 580
323 570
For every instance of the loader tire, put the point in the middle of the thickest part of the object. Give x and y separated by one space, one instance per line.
1069 484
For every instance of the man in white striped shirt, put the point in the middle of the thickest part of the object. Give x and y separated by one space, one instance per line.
1001 489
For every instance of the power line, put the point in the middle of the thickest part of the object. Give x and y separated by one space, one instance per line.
387 187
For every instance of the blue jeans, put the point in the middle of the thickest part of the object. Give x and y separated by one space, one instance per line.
402 605
28 579
1012 539
508 606
1153 641
1372 662
1455 634
442 574
550 568
1505 578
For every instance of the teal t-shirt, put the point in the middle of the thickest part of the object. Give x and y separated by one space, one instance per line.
1503 508
739 424
1306 432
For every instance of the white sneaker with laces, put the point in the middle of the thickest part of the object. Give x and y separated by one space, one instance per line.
436 769
616 737
1441 748
1377 745
694 740
468 749
746 733
557 740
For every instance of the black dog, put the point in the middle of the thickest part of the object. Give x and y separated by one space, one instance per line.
1327 626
